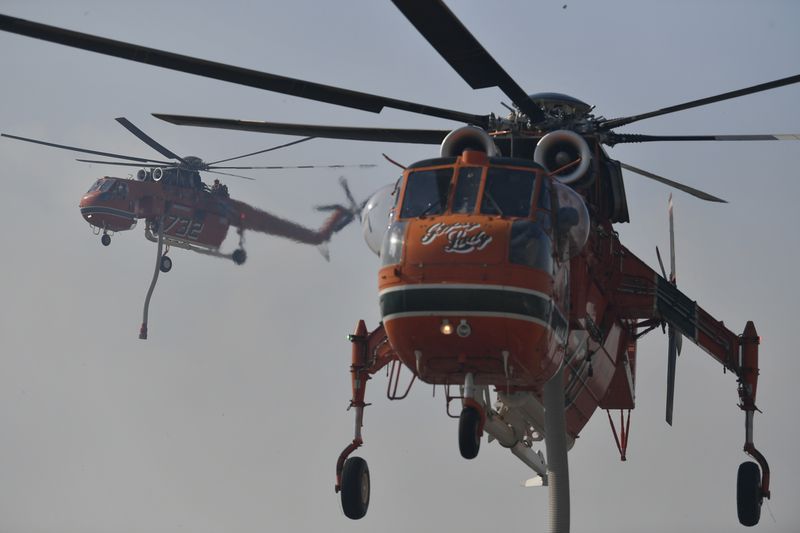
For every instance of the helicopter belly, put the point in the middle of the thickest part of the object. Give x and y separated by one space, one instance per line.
502 335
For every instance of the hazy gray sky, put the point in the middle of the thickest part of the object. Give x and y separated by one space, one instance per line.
232 415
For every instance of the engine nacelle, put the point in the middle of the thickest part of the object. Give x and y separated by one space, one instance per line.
560 148
468 138
157 174
376 216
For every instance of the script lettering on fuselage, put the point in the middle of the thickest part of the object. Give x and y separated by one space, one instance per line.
461 237
183 227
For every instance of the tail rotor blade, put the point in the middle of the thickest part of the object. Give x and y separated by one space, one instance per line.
661 263
672 276
672 359
355 210
674 336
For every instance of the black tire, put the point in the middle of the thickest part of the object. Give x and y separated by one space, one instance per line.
469 439
166 264
105 239
748 493
239 256
355 488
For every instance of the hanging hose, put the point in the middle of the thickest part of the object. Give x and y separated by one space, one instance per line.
143 329
556 442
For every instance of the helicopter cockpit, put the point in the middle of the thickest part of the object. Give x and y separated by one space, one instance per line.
101 185
109 188
539 218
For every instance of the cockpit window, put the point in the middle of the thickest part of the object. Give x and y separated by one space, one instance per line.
95 186
120 190
426 192
466 195
508 192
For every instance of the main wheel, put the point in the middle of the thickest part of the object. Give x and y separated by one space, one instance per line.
469 439
105 239
355 488
748 493
239 256
166 264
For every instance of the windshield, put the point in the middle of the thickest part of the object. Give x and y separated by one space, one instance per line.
101 185
508 192
426 192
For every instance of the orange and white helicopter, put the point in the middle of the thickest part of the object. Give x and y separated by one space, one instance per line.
500 267
181 211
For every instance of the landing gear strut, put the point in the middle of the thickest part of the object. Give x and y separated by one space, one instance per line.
239 256
752 481
371 352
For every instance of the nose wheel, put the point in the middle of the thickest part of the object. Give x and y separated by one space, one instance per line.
105 239
165 264
469 432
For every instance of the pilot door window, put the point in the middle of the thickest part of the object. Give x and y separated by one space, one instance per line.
120 190
426 192
508 192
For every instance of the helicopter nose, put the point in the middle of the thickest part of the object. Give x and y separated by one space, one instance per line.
104 213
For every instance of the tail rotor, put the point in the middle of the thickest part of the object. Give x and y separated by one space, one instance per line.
675 338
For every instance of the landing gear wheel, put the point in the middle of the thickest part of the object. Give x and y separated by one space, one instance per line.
355 488
105 239
469 439
166 264
239 256
748 493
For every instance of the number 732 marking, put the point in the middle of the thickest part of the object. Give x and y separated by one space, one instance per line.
183 227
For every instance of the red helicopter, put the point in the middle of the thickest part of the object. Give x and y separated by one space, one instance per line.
501 269
181 211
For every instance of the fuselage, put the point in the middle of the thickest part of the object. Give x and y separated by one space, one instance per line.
476 279
190 213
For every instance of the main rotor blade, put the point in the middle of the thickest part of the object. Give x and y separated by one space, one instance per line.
620 138
685 188
128 125
412 136
229 73
442 29
617 122
228 174
84 150
124 164
260 151
273 167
